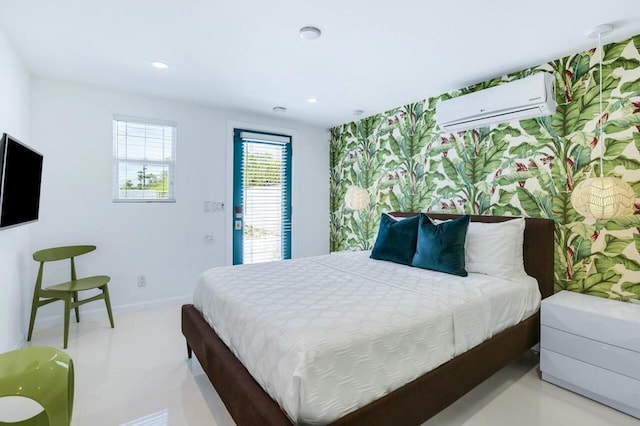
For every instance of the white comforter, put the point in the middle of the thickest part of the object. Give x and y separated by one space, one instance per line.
326 335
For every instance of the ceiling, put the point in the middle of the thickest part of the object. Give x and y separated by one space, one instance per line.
246 55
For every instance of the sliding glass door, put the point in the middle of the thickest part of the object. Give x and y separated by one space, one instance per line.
261 197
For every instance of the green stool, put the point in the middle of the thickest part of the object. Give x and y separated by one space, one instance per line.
43 374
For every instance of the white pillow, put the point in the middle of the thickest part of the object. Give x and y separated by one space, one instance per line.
495 249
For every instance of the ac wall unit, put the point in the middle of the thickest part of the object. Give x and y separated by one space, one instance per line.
529 97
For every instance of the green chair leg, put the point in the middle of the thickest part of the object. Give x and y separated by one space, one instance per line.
107 301
32 321
67 314
77 309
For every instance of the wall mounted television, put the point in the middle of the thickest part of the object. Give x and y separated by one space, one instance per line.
20 179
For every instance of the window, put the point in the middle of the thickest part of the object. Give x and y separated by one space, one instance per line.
144 154
262 197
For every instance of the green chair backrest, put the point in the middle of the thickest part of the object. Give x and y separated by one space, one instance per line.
60 253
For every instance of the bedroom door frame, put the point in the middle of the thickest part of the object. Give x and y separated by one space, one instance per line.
229 211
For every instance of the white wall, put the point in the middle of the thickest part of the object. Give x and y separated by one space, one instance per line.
72 127
15 291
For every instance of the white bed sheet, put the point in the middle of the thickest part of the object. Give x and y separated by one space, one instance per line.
326 335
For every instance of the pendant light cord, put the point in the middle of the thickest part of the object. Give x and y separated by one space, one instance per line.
601 117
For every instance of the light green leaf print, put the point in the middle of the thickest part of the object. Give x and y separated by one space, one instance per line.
535 205
484 202
580 65
630 86
505 197
622 62
601 286
615 245
614 148
622 124
526 150
534 128
450 170
622 223
604 263
505 210
582 249
612 165
614 51
636 42
599 282
580 157
631 287
563 210
511 178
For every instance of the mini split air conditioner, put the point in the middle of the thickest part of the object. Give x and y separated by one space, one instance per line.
529 97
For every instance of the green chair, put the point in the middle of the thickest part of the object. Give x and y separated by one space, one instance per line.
68 291
43 374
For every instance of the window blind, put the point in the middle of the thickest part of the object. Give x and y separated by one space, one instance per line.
144 160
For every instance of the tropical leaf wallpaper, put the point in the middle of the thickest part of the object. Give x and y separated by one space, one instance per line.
526 168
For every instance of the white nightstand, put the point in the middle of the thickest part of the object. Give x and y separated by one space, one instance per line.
591 346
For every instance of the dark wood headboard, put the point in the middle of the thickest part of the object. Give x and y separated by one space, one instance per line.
538 245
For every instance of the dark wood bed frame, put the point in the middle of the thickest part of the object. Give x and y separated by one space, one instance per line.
413 403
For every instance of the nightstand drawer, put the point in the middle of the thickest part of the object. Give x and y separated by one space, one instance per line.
613 358
618 391
604 320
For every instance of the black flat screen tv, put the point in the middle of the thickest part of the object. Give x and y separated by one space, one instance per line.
20 178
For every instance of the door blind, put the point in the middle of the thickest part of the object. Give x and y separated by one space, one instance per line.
265 176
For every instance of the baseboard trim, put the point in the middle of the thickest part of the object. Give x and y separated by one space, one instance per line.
100 312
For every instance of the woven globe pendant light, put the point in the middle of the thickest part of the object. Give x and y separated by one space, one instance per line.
356 198
603 197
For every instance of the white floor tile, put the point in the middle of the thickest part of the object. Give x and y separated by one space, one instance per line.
516 395
138 374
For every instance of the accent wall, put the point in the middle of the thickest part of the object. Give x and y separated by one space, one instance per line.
526 168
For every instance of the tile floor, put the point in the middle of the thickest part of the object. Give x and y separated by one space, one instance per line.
138 374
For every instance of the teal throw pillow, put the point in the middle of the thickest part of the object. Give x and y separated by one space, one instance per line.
441 247
396 240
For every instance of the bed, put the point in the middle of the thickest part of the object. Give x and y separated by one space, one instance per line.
442 378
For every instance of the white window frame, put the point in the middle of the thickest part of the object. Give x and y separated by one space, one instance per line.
171 198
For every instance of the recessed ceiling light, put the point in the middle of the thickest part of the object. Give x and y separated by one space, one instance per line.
279 109
312 100
358 112
310 33
159 64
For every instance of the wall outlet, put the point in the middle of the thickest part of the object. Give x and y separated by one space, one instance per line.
142 281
